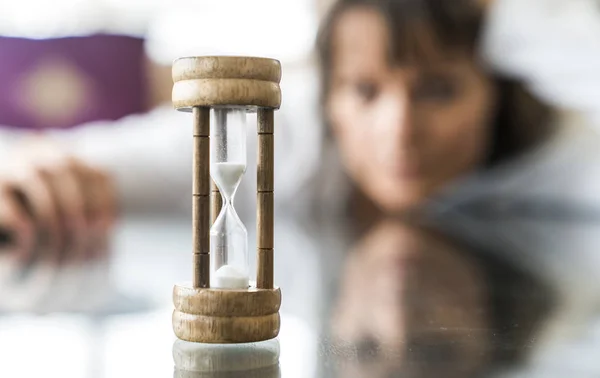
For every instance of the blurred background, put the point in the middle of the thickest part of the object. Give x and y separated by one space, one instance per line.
111 59
437 175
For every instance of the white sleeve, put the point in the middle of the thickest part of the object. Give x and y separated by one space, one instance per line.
553 45
149 156
8 137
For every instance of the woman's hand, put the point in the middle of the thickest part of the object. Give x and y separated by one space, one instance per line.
52 205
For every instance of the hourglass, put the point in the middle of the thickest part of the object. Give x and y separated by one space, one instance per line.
223 304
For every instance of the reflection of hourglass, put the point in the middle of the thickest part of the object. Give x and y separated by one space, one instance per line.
228 236
223 305
194 360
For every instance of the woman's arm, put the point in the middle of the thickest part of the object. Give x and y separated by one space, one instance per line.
142 164
69 185
147 155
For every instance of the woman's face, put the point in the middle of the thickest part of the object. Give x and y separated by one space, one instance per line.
404 131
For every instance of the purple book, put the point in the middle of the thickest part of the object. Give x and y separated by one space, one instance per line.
63 82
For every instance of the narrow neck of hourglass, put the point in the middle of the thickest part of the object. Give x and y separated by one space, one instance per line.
228 201
228 197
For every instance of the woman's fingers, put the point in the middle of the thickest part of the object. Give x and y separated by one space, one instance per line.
100 197
17 231
67 192
71 205
99 204
37 195
106 197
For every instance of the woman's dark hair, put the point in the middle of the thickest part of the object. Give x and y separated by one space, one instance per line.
422 29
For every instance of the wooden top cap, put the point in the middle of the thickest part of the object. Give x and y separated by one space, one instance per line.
226 67
226 81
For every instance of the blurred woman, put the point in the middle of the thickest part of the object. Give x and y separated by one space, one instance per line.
419 117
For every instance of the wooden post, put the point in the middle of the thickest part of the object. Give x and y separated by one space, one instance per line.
201 198
265 199
216 202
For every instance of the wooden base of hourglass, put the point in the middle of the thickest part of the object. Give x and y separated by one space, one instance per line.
225 316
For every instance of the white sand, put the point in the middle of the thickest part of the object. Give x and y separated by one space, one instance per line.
229 277
228 176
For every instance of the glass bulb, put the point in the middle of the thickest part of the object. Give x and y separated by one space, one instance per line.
228 236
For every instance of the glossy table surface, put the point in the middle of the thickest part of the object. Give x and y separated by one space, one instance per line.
466 297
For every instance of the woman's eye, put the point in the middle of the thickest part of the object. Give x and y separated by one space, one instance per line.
435 89
367 91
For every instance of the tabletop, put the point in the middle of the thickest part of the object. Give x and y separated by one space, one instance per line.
462 297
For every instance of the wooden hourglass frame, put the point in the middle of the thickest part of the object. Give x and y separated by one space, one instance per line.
214 315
